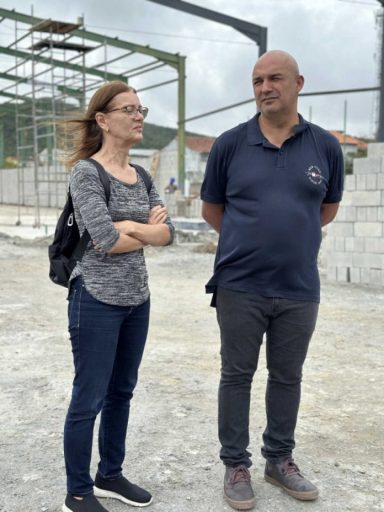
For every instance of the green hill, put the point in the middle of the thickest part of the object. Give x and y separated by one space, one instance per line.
155 137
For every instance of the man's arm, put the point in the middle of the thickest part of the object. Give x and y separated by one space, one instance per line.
213 213
328 212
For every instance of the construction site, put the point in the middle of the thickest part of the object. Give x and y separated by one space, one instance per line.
50 69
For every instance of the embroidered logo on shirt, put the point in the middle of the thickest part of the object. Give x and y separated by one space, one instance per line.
314 175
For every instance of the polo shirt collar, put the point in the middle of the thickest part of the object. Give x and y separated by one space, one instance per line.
255 136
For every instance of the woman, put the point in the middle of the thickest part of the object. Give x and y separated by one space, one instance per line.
108 306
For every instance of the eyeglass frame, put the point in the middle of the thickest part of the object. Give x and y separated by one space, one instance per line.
138 110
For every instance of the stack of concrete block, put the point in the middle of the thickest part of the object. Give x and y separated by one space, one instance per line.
354 245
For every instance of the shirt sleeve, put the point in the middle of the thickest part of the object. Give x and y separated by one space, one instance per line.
336 179
214 184
89 199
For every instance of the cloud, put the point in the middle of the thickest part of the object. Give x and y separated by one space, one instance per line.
334 41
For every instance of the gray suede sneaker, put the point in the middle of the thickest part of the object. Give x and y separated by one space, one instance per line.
287 476
237 488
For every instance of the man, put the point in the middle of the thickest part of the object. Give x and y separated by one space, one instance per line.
270 185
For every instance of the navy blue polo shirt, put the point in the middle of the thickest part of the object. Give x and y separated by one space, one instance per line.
270 234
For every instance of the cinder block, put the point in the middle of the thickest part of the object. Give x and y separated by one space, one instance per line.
355 275
331 273
380 181
341 228
347 198
367 198
368 229
339 243
362 213
367 165
367 260
354 244
371 182
367 213
347 213
329 243
350 182
375 245
380 213
361 181
364 276
376 277
372 213
342 275
375 149
342 259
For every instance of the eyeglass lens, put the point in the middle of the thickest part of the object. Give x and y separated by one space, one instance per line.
133 110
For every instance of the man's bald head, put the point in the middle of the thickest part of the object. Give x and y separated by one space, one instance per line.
280 57
277 83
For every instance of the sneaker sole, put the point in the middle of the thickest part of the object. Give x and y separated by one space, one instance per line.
240 505
102 493
64 508
299 495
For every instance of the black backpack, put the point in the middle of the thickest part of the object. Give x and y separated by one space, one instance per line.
68 247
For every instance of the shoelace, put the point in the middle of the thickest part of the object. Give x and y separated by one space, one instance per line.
240 474
290 468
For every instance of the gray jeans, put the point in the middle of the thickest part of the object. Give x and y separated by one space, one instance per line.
288 324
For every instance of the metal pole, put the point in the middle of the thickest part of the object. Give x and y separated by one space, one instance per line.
35 136
380 129
181 125
345 131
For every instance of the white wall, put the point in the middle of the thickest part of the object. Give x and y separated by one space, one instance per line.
18 186
354 247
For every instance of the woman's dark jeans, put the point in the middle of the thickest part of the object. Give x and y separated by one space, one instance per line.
107 344
288 324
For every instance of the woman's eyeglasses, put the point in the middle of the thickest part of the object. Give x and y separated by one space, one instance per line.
131 110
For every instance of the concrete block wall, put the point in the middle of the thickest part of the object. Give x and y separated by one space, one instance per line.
354 244
18 187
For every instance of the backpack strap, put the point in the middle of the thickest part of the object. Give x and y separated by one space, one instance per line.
103 178
145 176
86 237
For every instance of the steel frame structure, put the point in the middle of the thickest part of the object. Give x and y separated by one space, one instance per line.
55 59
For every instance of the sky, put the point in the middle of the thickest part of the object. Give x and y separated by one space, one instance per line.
336 43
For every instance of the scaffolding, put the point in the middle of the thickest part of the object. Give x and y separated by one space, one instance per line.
52 69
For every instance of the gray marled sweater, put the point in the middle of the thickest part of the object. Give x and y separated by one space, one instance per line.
118 279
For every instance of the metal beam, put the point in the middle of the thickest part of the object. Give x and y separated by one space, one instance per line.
174 60
255 32
169 58
62 64
66 90
252 100
160 84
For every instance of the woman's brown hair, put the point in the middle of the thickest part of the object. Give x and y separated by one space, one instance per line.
86 134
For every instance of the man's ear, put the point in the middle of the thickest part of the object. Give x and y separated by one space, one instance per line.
299 82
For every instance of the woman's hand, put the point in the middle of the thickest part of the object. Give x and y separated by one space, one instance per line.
157 215
125 227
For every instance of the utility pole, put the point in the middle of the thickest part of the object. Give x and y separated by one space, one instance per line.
380 129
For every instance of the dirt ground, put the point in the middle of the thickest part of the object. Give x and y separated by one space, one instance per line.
172 447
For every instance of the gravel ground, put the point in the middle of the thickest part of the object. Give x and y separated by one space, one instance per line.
172 446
